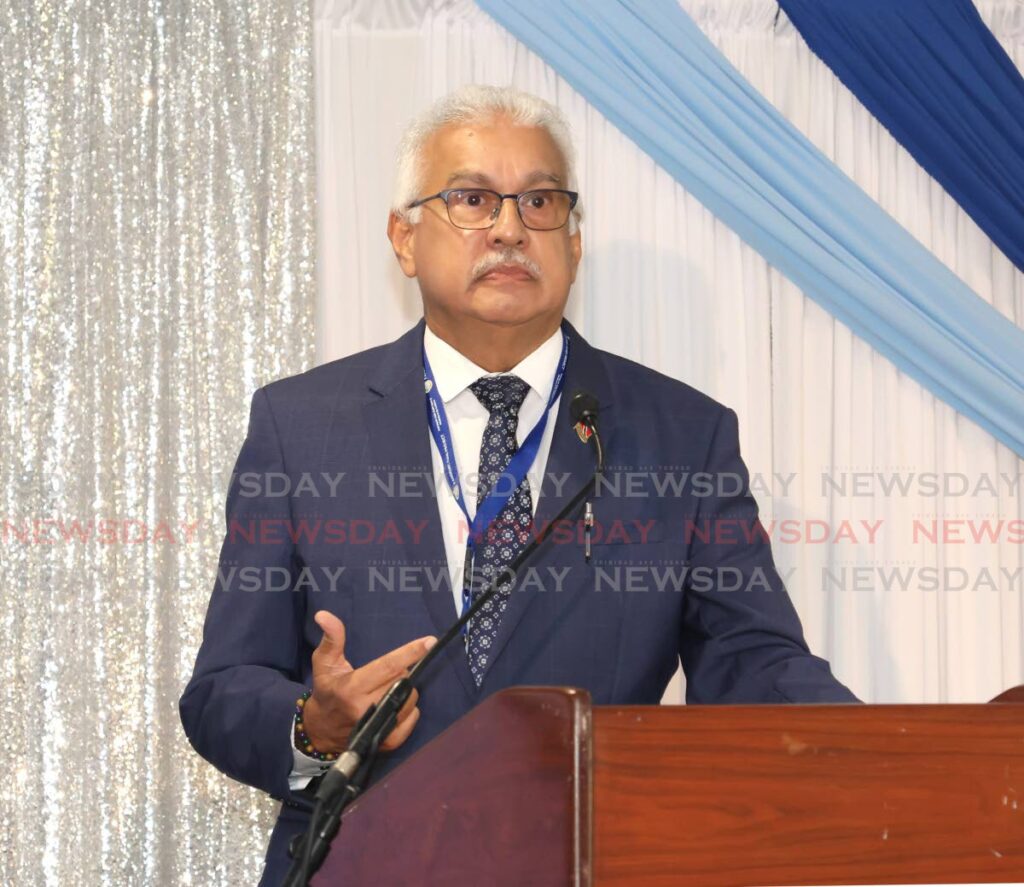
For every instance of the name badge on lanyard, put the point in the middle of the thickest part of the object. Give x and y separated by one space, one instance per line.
518 465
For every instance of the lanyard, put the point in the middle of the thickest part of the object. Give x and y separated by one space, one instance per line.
517 468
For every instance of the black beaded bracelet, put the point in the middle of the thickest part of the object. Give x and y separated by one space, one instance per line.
302 741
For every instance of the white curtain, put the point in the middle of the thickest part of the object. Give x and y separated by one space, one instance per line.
827 425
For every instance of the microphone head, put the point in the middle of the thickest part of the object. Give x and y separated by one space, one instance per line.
583 408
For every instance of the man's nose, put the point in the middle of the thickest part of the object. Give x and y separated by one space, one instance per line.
508 229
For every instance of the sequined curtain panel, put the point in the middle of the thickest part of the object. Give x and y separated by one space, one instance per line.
157 241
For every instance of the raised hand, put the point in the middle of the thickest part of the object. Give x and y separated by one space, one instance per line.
341 693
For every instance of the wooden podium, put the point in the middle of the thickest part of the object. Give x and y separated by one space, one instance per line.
536 787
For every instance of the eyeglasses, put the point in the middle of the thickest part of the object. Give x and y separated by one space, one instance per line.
474 208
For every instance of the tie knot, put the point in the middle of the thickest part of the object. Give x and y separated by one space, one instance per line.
503 393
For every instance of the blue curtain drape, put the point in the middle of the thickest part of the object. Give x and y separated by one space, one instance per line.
651 71
940 82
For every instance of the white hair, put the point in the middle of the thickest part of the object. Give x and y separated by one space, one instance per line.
476 104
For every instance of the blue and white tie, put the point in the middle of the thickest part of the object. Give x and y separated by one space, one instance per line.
503 540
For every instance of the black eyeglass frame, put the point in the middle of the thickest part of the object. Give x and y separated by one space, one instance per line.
443 195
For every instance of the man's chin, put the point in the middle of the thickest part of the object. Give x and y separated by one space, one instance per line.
505 318
507 304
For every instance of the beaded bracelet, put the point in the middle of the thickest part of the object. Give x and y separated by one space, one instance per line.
302 741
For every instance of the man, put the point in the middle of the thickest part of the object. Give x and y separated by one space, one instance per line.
374 564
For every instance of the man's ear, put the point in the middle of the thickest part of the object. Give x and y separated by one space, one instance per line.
575 252
402 235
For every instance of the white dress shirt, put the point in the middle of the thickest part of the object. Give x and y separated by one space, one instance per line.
467 419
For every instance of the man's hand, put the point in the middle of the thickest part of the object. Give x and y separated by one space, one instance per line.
341 693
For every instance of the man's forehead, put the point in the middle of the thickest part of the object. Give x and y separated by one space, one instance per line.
476 151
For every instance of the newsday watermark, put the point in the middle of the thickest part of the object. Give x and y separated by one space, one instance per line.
622 578
59 529
628 556
642 482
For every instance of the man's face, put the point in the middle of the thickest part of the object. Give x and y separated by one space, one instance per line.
450 263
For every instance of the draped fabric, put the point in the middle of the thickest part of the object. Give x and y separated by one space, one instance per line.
156 266
827 424
653 73
938 80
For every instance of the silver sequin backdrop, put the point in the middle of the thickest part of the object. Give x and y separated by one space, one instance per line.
157 249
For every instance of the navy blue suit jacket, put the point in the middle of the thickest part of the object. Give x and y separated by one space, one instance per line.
651 595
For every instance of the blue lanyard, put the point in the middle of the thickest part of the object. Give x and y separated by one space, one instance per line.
517 468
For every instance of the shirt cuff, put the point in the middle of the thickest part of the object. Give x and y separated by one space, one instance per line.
304 768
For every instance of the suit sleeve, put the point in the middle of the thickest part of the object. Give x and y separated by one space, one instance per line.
742 641
239 704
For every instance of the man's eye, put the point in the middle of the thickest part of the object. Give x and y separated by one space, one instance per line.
537 201
473 199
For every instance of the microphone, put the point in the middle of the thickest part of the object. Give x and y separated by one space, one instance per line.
584 408
343 782
583 412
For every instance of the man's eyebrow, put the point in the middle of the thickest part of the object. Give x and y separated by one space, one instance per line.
477 178
540 175
484 181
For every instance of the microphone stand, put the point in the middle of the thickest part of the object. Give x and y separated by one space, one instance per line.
347 778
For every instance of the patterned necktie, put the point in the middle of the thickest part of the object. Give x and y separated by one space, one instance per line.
502 541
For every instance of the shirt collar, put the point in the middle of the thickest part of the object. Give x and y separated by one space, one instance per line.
454 372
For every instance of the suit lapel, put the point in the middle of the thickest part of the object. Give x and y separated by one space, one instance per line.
396 427
570 465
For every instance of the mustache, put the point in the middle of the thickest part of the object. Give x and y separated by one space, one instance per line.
506 257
